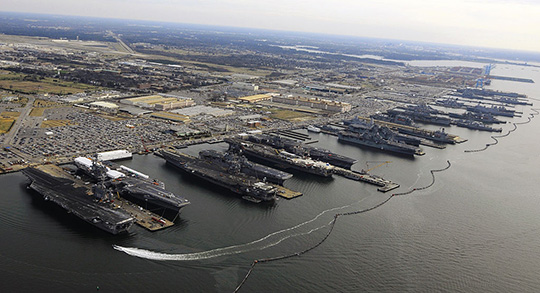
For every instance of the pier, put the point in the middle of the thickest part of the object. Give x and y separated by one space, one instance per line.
286 193
384 185
143 217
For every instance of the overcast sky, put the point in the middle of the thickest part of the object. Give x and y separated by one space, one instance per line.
512 24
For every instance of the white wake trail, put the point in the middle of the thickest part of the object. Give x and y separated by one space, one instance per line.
235 249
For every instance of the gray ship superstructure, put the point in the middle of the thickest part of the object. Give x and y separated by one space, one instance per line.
303 150
475 125
280 157
131 183
494 110
91 203
236 162
376 141
249 187
422 115
362 126
439 136
485 118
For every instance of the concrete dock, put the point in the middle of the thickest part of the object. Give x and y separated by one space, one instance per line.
384 185
143 218
286 193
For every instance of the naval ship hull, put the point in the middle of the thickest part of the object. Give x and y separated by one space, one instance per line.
269 155
77 200
150 193
356 139
297 148
246 186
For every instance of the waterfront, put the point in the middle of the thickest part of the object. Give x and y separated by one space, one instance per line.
476 229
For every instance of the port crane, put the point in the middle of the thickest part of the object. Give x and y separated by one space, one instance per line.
381 163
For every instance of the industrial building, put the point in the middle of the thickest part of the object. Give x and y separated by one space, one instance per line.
159 103
328 105
256 98
110 107
171 116
200 110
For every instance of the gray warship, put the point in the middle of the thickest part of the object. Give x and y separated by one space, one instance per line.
91 203
249 187
132 184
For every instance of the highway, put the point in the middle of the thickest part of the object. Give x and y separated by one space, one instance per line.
18 123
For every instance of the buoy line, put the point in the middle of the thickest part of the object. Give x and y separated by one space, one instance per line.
332 224
494 137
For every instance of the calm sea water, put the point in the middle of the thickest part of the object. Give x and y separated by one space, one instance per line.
477 229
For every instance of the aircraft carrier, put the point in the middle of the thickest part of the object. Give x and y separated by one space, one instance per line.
132 184
249 187
303 150
234 161
280 157
91 204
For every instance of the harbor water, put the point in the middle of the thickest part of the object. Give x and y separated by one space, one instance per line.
477 229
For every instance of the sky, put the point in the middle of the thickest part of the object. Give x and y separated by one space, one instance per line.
507 24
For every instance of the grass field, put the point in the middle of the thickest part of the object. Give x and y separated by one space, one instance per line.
18 82
36 112
56 123
8 114
5 124
41 105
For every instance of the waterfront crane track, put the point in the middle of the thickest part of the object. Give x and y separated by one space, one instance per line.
494 137
332 225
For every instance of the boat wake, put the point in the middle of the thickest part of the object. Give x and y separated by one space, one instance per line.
267 241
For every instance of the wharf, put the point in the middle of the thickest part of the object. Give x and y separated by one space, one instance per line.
384 185
286 193
429 143
143 217
391 125
292 134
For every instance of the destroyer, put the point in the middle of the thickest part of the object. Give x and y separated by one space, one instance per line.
92 204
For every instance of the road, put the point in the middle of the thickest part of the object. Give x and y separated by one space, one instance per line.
19 122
